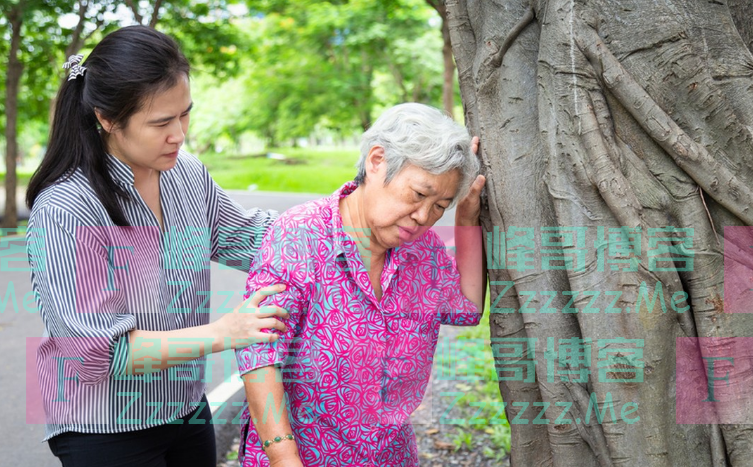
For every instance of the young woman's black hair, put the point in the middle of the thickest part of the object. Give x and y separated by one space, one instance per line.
123 71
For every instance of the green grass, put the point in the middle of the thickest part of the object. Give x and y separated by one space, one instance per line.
20 231
23 178
306 170
472 361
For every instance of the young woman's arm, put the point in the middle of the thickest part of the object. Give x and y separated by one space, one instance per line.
82 307
235 330
235 232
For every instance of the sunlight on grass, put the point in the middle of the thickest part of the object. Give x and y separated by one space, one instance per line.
304 170
22 178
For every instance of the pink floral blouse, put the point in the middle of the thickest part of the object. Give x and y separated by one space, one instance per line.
353 368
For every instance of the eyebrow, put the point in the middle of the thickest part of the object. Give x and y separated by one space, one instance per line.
167 119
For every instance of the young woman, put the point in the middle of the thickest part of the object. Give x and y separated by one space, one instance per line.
122 227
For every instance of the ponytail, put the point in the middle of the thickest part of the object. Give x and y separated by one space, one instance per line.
126 69
75 142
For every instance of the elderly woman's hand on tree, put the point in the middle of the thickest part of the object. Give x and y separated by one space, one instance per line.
469 207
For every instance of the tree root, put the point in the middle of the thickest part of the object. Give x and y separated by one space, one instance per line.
710 174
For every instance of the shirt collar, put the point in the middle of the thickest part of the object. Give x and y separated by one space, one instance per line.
120 171
341 238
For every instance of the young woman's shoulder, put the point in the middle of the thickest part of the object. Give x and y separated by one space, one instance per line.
73 197
191 178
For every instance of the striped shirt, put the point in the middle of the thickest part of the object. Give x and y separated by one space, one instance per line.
95 282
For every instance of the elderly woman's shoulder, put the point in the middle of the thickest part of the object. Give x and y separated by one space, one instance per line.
317 215
433 240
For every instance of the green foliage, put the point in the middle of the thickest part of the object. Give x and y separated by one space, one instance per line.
318 64
41 40
472 361
462 437
279 69
208 34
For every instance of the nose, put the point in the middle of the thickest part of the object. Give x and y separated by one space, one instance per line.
421 215
177 133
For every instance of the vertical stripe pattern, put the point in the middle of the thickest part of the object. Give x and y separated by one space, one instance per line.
95 282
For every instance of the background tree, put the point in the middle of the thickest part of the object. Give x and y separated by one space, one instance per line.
448 83
317 63
39 40
13 13
33 37
631 116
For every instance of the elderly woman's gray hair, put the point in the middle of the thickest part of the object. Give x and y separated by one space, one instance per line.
422 136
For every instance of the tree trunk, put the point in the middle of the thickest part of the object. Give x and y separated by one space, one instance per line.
448 84
12 81
601 121
742 15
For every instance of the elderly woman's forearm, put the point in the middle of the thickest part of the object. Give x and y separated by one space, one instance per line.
266 405
471 264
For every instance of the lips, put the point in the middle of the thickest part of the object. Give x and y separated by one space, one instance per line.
171 154
407 231
407 235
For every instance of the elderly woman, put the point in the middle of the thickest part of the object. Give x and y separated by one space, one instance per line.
368 285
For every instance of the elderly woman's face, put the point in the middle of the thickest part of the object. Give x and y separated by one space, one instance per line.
408 205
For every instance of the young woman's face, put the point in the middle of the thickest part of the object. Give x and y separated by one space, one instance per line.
153 136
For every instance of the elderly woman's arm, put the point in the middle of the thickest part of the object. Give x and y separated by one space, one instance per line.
266 405
469 245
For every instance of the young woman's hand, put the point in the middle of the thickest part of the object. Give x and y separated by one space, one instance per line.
243 326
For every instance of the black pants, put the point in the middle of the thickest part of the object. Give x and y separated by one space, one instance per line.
162 446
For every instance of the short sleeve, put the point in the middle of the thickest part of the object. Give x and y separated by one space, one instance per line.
83 321
283 258
454 308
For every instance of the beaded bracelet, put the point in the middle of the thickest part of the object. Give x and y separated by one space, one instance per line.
277 439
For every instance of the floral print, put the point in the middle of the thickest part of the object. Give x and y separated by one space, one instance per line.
354 368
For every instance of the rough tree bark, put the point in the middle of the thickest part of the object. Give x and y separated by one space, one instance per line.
606 114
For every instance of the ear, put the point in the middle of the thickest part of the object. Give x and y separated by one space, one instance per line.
106 124
375 160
